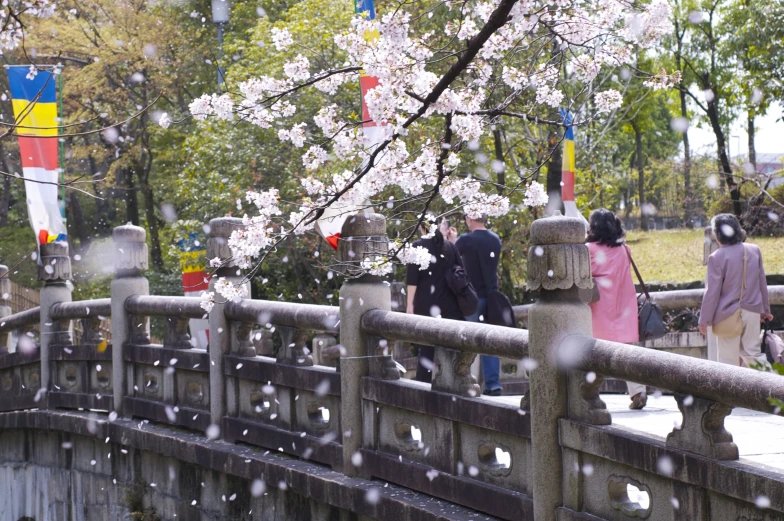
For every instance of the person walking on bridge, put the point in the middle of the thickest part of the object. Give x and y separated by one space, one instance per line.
736 295
614 311
481 250
428 291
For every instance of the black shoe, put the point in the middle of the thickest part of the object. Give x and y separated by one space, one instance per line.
492 392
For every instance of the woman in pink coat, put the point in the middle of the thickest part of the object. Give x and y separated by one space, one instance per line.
615 313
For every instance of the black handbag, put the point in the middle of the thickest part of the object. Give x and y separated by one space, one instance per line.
499 310
460 285
650 319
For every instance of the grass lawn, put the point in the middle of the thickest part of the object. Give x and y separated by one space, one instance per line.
676 255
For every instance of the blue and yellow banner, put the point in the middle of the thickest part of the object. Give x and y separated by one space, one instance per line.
36 114
568 168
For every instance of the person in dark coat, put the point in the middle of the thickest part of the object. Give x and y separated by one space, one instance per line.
481 250
428 292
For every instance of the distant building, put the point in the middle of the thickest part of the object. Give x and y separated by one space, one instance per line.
768 165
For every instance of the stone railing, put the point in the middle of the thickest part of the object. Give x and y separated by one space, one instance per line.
281 400
671 300
695 468
82 370
20 361
554 455
168 383
443 439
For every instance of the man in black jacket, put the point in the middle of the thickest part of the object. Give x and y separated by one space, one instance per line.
481 249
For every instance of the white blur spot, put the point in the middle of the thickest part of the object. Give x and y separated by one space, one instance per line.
679 124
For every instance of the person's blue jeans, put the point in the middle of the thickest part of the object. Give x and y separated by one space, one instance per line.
491 365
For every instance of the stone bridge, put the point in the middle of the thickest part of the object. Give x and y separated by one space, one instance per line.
260 426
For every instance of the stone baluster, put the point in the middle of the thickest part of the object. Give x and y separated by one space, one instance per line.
363 235
558 265
54 271
5 307
221 331
702 431
130 259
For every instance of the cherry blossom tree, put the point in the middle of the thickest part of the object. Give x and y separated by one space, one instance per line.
448 72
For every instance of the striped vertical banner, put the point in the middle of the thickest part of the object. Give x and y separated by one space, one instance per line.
193 262
331 221
373 131
34 98
568 169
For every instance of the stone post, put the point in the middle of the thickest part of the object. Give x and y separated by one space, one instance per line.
54 271
5 301
558 265
363 235
130 259
220 330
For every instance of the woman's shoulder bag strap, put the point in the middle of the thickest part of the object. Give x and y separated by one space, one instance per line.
637 272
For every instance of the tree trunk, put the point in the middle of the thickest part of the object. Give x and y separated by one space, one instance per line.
78 226
554 168
131 199
638 160
102 203
688 202
5 201
724 160
5 197
499 156
752 148
152 224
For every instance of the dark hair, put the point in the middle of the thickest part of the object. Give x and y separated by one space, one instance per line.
727 229
438 237
605 228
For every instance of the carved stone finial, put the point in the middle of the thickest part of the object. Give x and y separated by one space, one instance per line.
55 263
363 236
218 242
702 431
558 257
130 248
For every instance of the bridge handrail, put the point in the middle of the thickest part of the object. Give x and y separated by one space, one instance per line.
723 383
303 316
153 305
27 318
465 336
82 309
675 299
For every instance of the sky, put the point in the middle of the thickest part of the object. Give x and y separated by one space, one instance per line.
769 136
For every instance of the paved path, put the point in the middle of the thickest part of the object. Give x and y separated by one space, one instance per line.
759 436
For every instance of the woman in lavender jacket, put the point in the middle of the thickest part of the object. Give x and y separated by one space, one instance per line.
722 292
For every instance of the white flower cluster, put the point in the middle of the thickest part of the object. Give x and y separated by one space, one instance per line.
257 233
379 266
663 80
165 121
11 27
608 100
296 135
535 195
281 38
414 255
212 104
230 291
207 301
594 34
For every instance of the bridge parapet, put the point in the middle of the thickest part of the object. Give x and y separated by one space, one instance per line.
556 455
